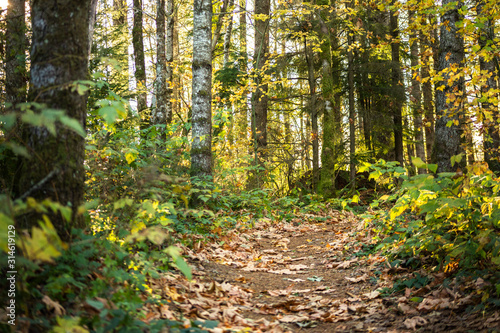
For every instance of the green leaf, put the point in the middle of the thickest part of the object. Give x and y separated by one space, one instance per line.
73 125
9 120
183 267
95 304
174 252
417 162
18 149
432 167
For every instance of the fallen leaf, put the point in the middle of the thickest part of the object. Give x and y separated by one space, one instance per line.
412 323
361 278
52 305
292 319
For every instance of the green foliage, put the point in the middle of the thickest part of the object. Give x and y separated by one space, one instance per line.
453 218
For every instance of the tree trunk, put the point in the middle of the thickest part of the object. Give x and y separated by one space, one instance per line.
243 107
169 54
398 90
227 46
15 50
259 97
59 57
416 96
140 64
218 25
426 51
314 114
15 88
201 148
491 122
159 114
352 111
332 132
449 96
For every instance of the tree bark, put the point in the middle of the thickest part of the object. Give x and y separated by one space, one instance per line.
59 57
314 114
332 137
449 95
416 95
426 50
352 111
159 114
15 88
15 50
201 148
491 122
398 90
140 63
259 97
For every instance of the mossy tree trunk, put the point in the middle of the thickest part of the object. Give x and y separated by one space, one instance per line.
15 87
259 97
59 57
201 147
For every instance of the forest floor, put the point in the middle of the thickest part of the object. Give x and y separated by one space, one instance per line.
312 275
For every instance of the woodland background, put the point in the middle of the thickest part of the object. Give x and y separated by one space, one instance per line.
128 125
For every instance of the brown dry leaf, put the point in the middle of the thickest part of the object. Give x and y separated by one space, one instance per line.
405 308
372 295
297 267
166 313
242 279
293 319
285 271
52 305
412 323
430 304
361 278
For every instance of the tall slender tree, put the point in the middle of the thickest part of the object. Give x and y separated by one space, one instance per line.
352 109
416 93
450 91
201 147
140 63
397 88
169 57
488 66
159 114
259 97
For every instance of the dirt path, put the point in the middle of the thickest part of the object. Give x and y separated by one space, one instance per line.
310 276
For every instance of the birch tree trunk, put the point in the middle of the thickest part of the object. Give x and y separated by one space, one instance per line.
201 146
449 96
59 56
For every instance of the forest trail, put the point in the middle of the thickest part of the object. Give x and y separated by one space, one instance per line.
311 275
